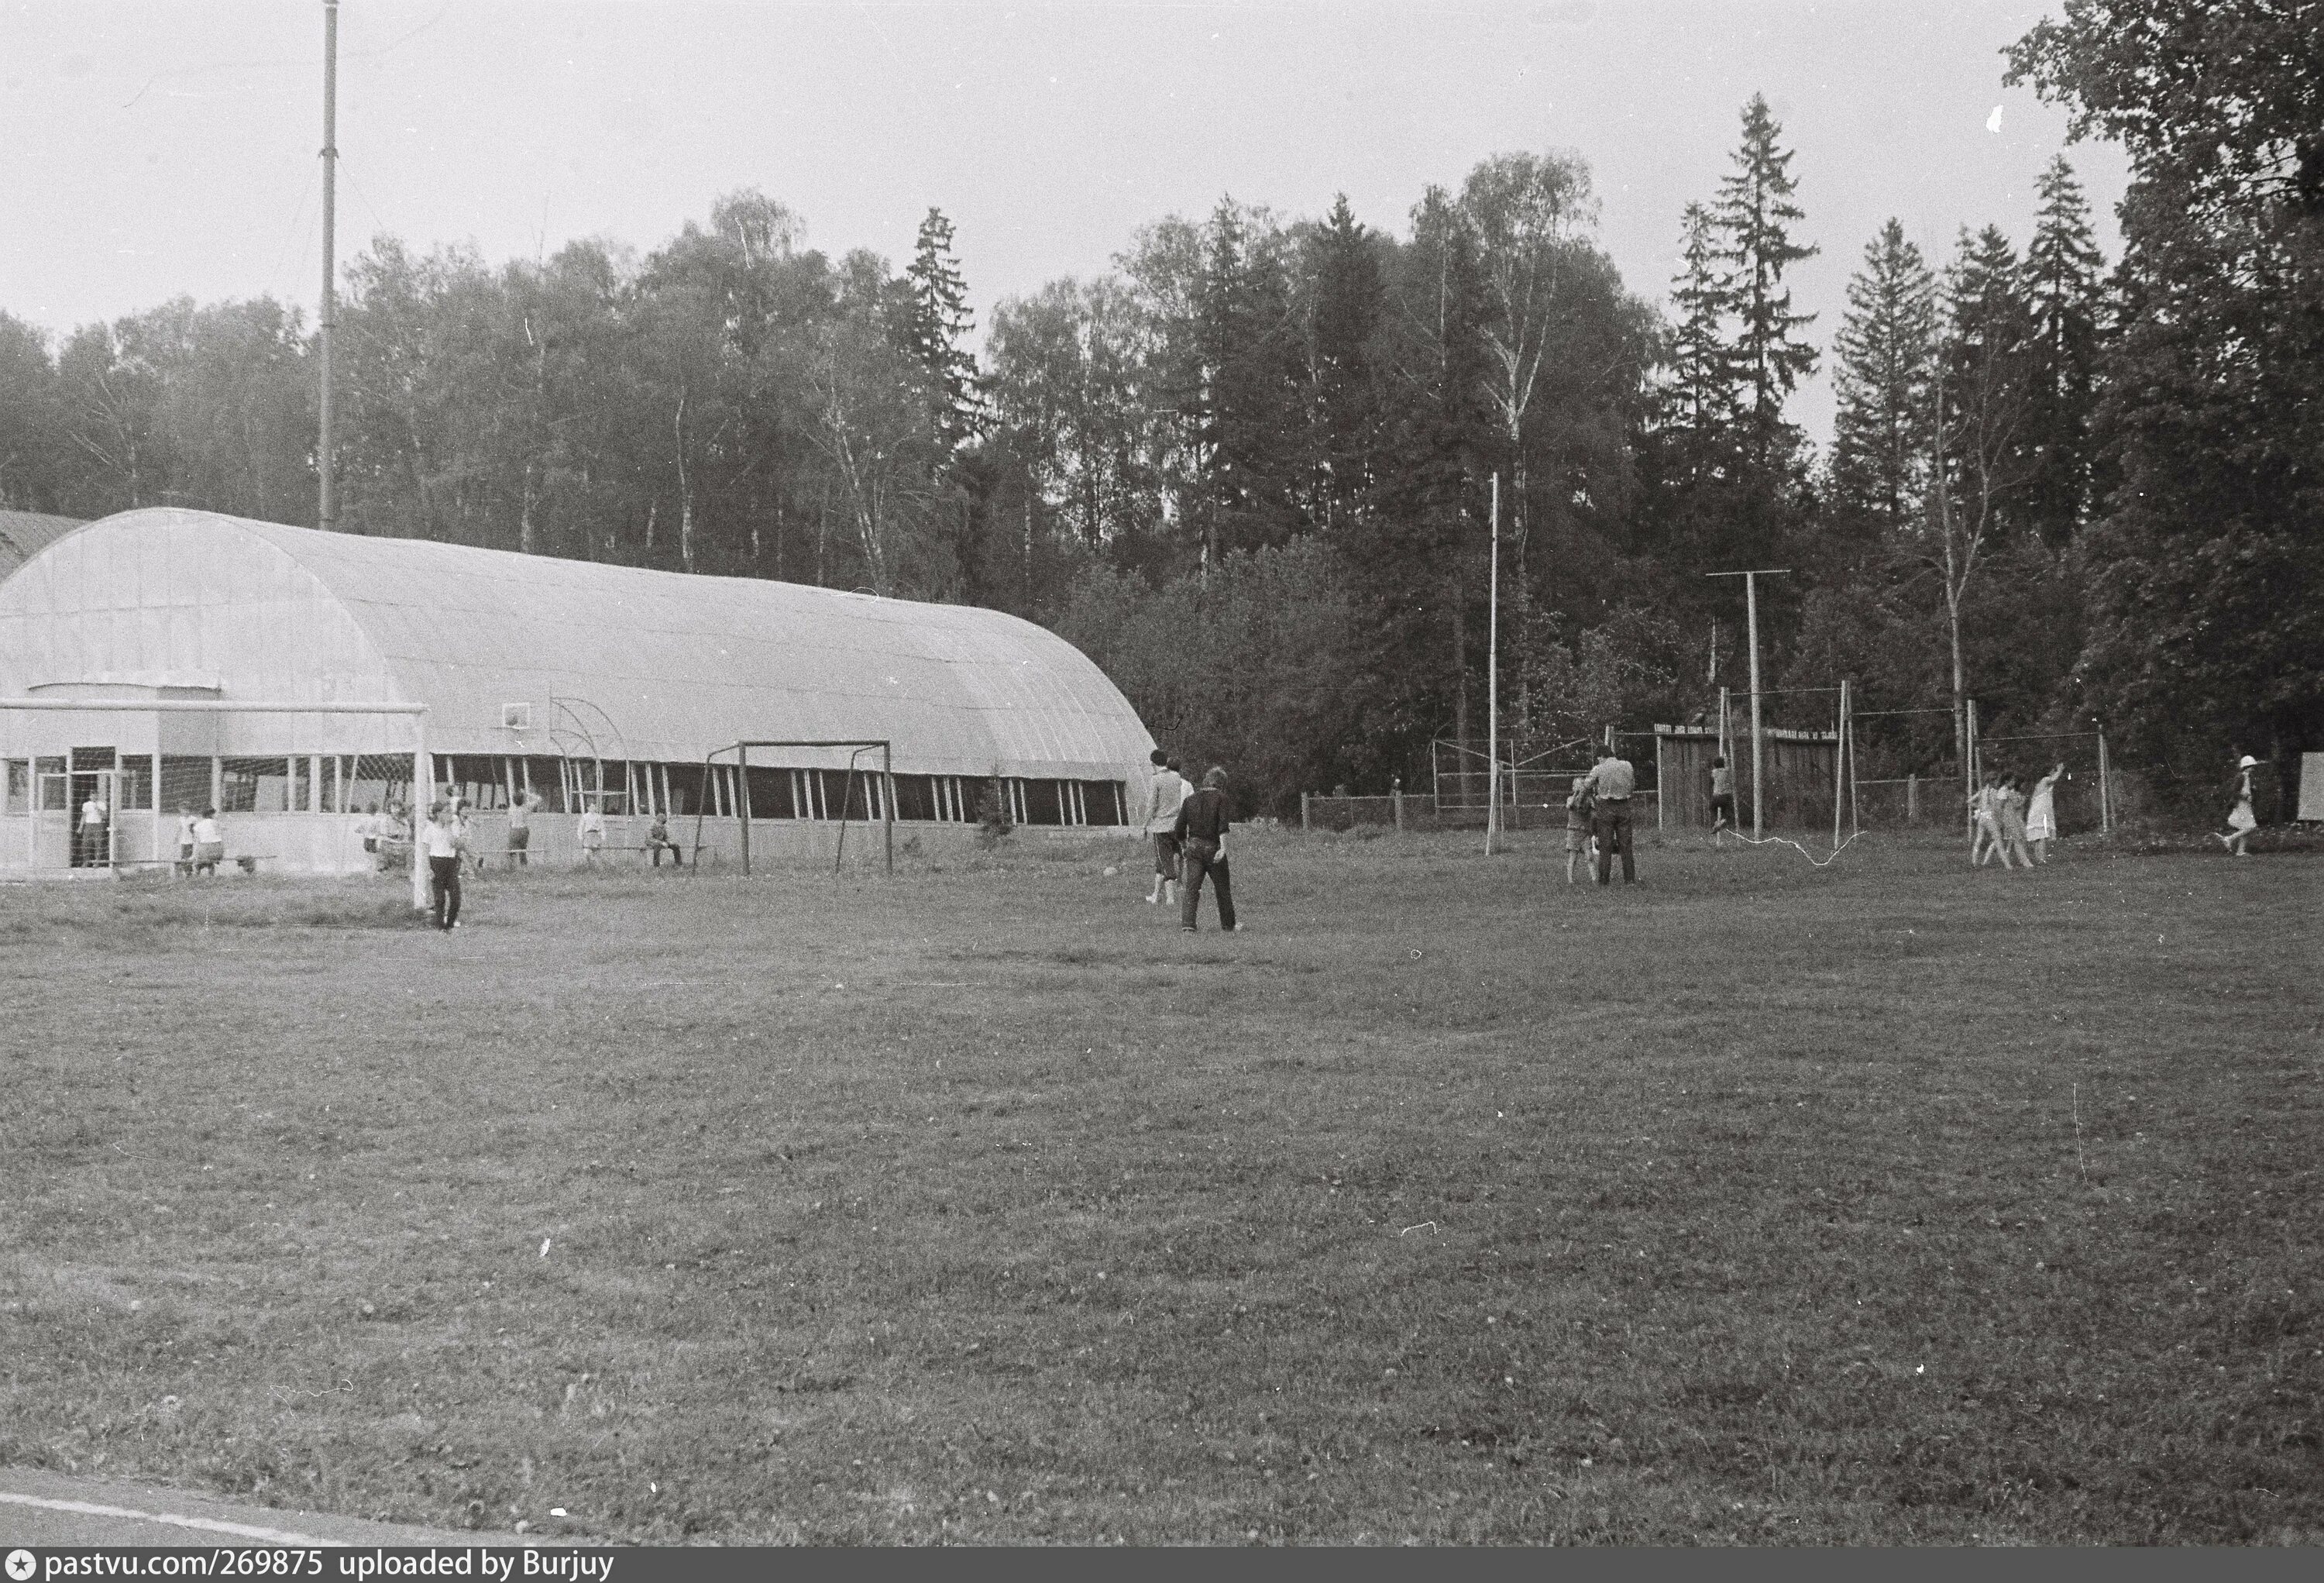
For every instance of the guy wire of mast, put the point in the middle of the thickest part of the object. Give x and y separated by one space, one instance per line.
1758 739
327 512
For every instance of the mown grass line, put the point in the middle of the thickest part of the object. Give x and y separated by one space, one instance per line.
1882 1202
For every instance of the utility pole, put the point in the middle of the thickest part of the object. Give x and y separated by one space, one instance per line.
1759 739
329 514
1493 677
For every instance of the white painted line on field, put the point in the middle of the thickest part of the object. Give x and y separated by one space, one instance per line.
206 1524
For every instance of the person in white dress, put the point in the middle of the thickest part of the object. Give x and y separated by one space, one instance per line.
2042 813
2241 820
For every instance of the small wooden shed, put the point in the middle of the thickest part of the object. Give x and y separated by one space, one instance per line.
1800 769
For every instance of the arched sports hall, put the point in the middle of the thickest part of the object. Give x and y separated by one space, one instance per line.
587 684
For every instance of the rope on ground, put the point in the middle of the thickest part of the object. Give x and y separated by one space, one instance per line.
1795 846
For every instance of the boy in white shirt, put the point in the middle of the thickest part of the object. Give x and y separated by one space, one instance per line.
592 832
444 838
210 843
1170 788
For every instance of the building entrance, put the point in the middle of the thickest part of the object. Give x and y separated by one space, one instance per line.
92 807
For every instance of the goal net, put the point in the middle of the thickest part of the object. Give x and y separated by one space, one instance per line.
189 788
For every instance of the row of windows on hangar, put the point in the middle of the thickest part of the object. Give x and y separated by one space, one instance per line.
352 783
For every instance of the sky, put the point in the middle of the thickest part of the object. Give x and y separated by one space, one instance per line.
149 148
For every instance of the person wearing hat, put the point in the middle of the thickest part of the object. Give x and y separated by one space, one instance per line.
2241 820
1201 831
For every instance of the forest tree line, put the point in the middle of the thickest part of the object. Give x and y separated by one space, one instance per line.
1251 469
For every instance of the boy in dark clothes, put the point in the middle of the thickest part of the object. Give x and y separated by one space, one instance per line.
1201 832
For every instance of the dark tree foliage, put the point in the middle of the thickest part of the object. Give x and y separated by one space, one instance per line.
1344 312
2065 289
1249 468
1701 399
33 443
1886 350
2206 614
1756 216
938 325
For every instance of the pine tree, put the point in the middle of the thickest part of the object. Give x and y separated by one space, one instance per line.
1879 457
1987 361
2065 289
1703 403
1248 405
1347 296
936 331
1980 460
1755 214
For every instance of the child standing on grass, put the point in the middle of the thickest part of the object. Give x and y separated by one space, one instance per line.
1987 805
2042 816
521 812
1577 842
591 832
2011 810
1163 796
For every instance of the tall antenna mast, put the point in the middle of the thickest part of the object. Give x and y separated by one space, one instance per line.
1493 679
328 515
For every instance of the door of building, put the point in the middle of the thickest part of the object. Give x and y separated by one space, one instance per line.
93 780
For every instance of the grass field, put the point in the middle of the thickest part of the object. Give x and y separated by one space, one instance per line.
1886 1202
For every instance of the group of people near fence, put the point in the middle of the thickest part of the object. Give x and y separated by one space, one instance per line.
2013 823
1188 827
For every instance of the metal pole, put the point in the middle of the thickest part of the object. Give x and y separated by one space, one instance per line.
2105 787
423 780
1662 787
1855 774
1758 742
1304 826
1968 766
888 801
327 513
1838 763
742 753
1493 677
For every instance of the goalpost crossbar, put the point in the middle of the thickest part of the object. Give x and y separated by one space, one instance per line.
857 746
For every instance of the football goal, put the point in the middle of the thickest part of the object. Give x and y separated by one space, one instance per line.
125 784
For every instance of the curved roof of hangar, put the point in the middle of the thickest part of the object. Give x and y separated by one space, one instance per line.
25 534
623 661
